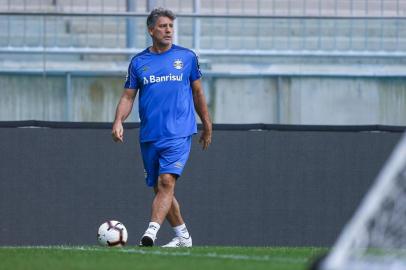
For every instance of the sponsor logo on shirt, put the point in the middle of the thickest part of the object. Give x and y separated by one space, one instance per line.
164 78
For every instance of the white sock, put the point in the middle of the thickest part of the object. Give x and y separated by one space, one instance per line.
181 231
153 229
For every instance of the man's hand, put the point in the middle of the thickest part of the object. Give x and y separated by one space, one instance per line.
203 112
205 138
123 110
117 132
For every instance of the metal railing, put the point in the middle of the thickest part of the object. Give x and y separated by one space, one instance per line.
252 7
252 28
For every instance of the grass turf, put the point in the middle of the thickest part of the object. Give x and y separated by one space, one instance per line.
66 257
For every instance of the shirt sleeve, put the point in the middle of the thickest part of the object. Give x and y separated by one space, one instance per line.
131 81
195 72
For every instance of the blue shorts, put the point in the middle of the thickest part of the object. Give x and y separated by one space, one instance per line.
165 156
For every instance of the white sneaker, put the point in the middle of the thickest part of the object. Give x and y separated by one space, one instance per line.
179 242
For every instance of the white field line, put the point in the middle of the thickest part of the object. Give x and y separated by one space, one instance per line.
212 255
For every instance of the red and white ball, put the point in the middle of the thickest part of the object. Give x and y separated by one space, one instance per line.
112 233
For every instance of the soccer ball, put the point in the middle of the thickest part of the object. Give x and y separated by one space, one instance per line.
112 233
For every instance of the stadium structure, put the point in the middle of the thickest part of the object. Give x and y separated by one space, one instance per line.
308 100
344 57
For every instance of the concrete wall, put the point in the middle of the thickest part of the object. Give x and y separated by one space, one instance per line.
47 98
310 100
32 97
287 100
95 99
244 101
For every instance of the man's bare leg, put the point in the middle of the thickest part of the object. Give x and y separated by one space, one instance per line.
163 200
175 219
160 207
174 216
166 205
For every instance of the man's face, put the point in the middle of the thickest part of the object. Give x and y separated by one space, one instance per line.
162 32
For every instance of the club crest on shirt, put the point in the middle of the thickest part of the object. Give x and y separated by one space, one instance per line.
178 64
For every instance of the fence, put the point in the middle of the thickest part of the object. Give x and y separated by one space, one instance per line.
302 27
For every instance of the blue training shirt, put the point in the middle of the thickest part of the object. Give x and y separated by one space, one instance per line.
164 80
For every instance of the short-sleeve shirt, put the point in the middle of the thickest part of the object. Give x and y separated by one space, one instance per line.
164 80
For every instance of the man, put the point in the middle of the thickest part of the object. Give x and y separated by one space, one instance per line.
168 79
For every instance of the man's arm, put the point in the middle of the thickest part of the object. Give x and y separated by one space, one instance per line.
123 110
203 112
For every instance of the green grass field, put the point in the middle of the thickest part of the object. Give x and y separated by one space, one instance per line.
66 257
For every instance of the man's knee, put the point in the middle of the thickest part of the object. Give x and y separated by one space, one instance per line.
166 182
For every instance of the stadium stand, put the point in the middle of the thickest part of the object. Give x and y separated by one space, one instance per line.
278 56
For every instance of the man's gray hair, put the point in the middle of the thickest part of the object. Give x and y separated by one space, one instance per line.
159 12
